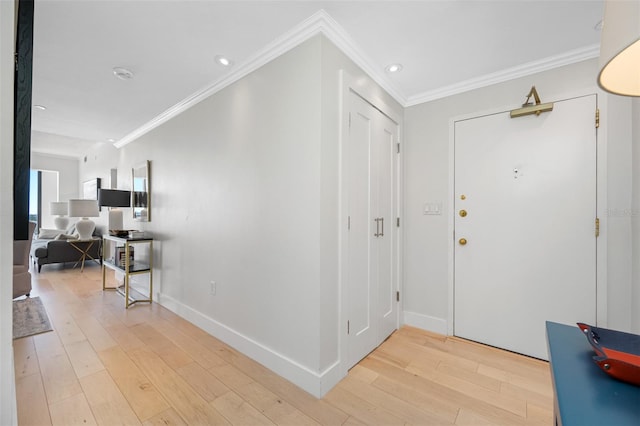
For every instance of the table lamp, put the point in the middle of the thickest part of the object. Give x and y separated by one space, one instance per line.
114 198
61 210
84 209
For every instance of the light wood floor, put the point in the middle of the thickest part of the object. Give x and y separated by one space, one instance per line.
106 365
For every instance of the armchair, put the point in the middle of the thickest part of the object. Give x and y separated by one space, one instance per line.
21 274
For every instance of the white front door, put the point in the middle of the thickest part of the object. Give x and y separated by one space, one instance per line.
372 236
525 203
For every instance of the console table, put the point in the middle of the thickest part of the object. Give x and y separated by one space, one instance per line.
583 394
129 266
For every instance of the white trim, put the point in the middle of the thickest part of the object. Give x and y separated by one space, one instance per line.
425 322
322 23
316 383
338 36
602 289
567 58
8 407
451 227
319 22
279 46
344 81
601 202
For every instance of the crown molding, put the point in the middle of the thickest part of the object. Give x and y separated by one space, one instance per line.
343 41
322 23
551 62
319 22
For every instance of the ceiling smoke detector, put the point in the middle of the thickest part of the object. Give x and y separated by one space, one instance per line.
122 73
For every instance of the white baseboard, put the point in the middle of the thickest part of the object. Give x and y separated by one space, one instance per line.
317 384
425 322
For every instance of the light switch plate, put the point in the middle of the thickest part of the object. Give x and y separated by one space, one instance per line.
432 209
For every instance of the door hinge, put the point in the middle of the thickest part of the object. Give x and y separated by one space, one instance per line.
597 227
349 223
398 222
397 296
398 146
349 119
597 118
347 327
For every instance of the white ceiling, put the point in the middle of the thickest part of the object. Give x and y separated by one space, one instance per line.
170 45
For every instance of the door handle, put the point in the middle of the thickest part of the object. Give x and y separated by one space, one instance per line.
462 241
379 227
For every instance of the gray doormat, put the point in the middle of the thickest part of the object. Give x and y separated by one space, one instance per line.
29 317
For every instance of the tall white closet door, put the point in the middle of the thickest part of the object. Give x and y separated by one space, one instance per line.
361 280
372 176
386 243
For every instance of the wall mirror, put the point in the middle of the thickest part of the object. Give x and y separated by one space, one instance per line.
141 192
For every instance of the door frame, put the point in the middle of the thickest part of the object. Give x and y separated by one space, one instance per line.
601 201
371 95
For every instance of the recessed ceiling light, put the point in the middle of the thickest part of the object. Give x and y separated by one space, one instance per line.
224 61
40 107
122 73
394 68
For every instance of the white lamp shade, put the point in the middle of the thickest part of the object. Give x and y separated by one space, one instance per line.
620 48
59 208
83 208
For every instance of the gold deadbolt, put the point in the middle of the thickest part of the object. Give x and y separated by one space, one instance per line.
463 213
462 241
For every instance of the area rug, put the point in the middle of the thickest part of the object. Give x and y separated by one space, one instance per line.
29 317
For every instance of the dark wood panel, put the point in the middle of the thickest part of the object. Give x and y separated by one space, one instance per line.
22 120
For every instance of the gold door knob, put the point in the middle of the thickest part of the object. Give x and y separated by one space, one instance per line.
462 241
462 213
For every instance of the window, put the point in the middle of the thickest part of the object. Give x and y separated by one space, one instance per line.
43 189
35 213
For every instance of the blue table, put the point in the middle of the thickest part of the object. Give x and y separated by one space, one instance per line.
584 394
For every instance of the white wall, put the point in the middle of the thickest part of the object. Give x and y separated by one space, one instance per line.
235 199
245 193
618 212
96 161
60 171
49 193
8 410
635 216
427 128
68 172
